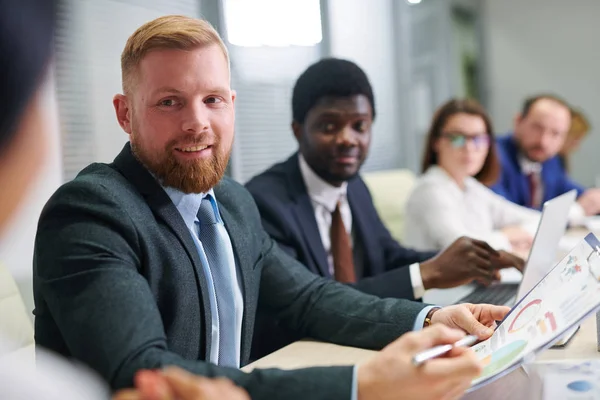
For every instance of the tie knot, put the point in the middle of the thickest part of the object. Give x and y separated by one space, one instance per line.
207 212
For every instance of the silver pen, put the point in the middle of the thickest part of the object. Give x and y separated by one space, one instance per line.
437 351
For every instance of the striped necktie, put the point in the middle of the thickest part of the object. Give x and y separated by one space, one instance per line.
213 236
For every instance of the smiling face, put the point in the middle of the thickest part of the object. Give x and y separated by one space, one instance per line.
463 145
180 116
335 137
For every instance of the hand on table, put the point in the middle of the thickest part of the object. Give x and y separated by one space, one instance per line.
507 260
462 262
503 260
176 384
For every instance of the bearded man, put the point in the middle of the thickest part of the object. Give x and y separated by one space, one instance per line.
156 259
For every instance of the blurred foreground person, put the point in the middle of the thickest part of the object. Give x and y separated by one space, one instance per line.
26 30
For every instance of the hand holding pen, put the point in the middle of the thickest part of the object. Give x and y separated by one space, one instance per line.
391 374
438 373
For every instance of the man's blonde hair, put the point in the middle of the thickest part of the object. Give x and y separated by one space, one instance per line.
168 32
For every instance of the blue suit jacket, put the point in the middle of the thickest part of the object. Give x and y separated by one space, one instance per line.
513 183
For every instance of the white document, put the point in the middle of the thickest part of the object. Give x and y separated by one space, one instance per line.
575 380
564 297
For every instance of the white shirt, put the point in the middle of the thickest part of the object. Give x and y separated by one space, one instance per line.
438 212
324 198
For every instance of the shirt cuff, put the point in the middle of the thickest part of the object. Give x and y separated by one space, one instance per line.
354 393
421 317
416 280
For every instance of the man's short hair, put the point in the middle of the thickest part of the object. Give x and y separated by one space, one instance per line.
168 32
329 77
530 102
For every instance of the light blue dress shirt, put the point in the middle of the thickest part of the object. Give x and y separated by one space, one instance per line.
188 206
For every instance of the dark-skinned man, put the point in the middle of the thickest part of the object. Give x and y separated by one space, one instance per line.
320 211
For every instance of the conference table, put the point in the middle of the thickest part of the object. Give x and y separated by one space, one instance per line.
523 383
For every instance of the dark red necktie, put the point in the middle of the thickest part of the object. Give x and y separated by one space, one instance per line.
341 249
535 190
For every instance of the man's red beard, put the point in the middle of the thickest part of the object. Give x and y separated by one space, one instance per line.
195 176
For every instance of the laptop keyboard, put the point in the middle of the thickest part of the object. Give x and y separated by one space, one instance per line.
496 294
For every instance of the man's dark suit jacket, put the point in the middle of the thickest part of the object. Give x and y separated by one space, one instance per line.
289 217
118 285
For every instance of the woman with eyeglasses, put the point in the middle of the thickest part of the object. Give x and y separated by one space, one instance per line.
452 198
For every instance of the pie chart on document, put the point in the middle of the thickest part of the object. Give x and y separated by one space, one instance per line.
502 358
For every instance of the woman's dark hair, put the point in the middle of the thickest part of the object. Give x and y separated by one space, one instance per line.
26 34
491 168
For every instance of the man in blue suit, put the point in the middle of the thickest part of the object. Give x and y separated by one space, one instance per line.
320 211
531 170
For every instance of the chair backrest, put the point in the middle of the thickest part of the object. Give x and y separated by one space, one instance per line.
16 330
390 190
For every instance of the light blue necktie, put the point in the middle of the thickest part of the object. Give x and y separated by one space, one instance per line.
214 238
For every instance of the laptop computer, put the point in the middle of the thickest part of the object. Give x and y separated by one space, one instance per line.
542 257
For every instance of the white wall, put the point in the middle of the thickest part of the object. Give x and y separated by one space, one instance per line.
540 46
16 246
362 31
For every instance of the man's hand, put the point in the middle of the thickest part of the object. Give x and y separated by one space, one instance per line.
475 319
177 384
590 201
390 374
463 261
507 260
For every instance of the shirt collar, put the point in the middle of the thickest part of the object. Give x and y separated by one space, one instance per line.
188 204
528 166
320 191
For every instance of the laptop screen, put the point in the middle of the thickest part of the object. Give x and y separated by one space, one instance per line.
551 228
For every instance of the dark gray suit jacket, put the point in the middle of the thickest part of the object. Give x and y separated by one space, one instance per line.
118 285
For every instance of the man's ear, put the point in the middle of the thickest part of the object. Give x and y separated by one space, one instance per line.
297 129
123 112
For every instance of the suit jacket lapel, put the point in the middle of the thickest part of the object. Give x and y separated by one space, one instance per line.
163 208
513 154
360 224
305 215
